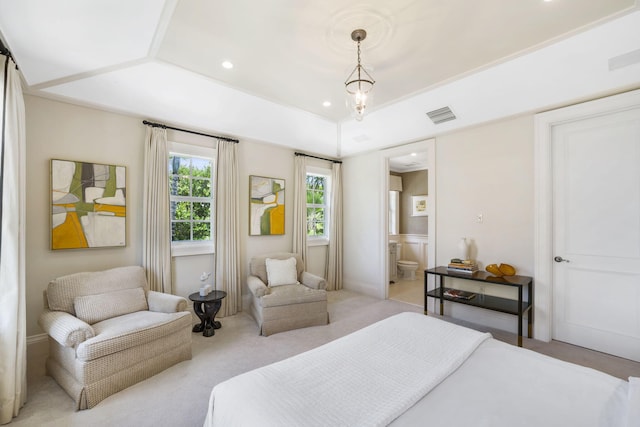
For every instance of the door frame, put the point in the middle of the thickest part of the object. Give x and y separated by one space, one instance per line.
428 145
543 196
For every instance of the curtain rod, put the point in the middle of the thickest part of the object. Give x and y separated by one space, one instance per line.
160 125
316 157
5 51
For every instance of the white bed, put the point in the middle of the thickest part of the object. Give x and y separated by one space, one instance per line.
411 370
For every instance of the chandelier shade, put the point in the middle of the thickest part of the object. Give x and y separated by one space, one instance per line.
359 84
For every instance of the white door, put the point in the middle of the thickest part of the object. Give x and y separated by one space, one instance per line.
596 233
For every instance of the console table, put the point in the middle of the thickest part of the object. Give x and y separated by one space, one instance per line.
516 307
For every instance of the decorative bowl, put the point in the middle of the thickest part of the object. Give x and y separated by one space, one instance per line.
494 269
507 270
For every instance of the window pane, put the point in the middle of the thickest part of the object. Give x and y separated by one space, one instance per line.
311 228
180 231
201 211
320 228
201 188
310 181
178 185
201 167
201 231
179 165
318 198
181 210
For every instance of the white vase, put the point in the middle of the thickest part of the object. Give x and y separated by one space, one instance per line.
463 249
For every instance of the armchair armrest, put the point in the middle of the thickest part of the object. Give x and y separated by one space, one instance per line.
312 281
166 303
65 328
257 286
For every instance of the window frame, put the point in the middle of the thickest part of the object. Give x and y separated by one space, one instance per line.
394 212
195 247
325 173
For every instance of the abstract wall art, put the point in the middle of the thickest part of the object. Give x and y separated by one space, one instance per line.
88 205
266 206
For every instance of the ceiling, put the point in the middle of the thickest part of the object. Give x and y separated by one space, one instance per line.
161 60
409 162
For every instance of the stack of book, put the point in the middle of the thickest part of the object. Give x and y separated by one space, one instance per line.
462 266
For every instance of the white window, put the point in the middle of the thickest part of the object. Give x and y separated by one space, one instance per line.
318 197
191 197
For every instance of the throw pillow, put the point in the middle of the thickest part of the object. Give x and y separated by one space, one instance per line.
96 308
281 271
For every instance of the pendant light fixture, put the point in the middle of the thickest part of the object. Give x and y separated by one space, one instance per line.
359 84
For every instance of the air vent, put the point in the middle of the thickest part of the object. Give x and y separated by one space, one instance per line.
441 115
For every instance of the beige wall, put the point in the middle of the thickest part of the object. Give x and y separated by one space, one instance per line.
413 184
62 131
487 170
57 130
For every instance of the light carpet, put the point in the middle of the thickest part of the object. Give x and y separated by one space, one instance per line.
179 395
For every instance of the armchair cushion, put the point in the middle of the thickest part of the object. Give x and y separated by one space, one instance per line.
281 272
258 265
95 308
61 292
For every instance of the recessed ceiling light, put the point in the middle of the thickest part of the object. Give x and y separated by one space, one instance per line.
414 154
326 104
227 64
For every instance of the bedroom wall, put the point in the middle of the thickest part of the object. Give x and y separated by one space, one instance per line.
363 183
57 130
65 131
487 170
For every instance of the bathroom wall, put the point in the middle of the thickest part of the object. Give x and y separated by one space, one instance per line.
413 184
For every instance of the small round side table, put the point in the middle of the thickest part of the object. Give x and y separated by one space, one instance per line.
206 308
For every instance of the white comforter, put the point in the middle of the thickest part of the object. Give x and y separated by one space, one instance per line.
368 378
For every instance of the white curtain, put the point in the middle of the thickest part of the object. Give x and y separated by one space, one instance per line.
13 336
333 272
227 228
156 249
300 207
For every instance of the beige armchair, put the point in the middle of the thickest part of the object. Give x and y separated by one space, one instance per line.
108 331
286 305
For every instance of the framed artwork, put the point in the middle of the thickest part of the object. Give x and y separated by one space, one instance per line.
88 205
266 206
418 205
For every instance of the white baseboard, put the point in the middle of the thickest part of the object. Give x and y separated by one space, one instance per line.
361 288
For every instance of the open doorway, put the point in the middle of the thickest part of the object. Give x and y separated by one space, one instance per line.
410 214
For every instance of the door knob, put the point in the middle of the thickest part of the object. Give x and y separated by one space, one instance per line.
560 259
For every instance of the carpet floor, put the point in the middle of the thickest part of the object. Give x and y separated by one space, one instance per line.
179 395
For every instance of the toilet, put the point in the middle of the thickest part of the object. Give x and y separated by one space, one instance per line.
406 269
